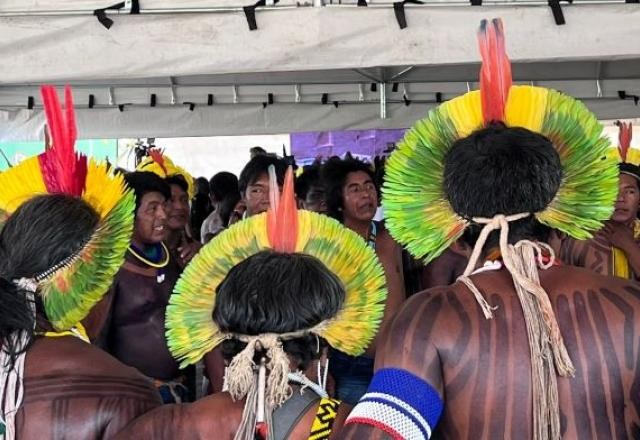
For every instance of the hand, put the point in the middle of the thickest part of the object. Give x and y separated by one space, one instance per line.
187 251
619 235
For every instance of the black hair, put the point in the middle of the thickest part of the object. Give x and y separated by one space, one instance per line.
334 175
631 169
500 170
311 176
202 186
40 234
223 184
178 180
143 182
272 292
258 166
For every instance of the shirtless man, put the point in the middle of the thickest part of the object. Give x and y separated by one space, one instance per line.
272 310
137 301
352 199
65 237
179 238
490 357
253 184
615 249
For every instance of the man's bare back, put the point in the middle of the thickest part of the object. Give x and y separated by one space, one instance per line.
76 391
481 368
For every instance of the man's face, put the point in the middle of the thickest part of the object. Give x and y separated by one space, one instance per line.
178 211
151 219
316 200
626 208
256 196
360 197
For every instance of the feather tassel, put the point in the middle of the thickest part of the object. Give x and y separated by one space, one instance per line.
63 170
282 217
495 73
158 158
624 138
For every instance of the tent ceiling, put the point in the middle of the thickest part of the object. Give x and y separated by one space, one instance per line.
303 60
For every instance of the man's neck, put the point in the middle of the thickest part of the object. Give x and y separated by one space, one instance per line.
359 226
173 239
144 247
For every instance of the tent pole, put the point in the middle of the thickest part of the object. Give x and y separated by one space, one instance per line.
383 99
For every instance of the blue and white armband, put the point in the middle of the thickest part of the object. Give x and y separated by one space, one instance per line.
400 404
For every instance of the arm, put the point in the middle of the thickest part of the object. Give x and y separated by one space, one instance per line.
390 255
214 370
621 237
406 394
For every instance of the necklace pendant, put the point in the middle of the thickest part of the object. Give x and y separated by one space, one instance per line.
160 278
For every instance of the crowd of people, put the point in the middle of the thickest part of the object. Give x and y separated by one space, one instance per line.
276 305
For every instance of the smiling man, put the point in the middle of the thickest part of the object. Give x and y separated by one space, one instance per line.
615 249
135 306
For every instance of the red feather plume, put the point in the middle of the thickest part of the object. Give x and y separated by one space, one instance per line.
158 158
495 73
63 170
624 138
282 219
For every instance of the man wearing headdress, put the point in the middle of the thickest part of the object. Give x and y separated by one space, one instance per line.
273 290
179 238
615 249
68 227
520 347
136 303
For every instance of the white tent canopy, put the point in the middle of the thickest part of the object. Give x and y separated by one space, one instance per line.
304 68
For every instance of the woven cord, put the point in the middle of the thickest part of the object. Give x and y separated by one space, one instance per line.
547 349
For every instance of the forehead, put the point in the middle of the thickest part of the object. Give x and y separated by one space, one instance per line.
627 181
261 180
356 177
176 190
152 197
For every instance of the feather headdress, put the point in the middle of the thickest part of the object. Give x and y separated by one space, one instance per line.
191 333
72 287
159 163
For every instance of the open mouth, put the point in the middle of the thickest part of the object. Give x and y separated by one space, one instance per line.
159 228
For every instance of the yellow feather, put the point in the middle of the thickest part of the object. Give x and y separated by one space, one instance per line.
526 107
20 183
103 190
465 112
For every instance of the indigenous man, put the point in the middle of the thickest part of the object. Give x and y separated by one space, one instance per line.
523 348
254 191
224 195
615 249
310 190
138 298
352 199
68 229
179 238
279 287
254 182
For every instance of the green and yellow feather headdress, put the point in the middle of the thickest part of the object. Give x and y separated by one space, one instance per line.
72 287
159 163
191 332
418 213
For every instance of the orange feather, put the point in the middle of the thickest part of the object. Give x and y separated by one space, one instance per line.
495 73
158 158
282 219
63 170
624 138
